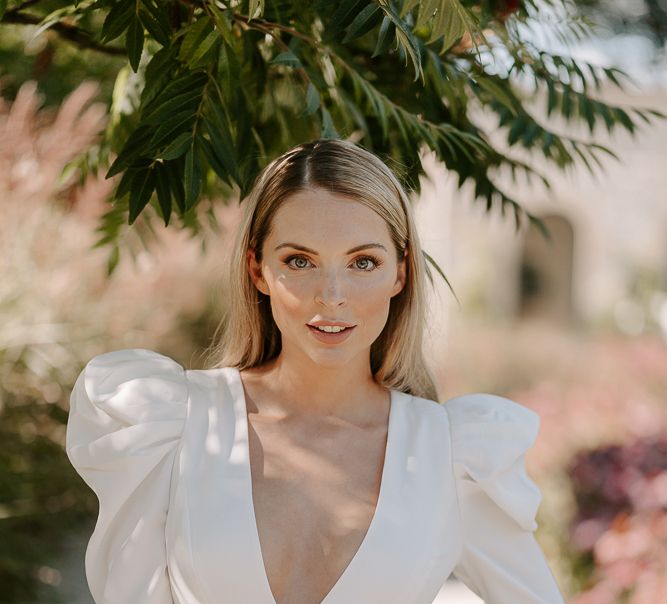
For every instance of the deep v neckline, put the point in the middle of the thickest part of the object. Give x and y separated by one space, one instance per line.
241 438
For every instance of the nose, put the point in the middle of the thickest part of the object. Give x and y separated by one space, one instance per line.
330 291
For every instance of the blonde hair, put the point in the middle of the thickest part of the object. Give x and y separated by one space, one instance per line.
250 336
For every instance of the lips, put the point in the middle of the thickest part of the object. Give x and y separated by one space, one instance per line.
330 324
331 337
342 327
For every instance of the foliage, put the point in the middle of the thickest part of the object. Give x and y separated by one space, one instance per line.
620 526
213 90
57 310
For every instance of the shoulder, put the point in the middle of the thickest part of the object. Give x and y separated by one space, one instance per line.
487 426
482 416
133 385
490 436
128 364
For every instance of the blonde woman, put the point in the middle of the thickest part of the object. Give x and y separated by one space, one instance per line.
310 463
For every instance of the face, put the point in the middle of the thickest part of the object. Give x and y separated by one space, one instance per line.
328 258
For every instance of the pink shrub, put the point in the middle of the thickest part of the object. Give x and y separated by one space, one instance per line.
621 520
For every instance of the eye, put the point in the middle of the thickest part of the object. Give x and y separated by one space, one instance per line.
366 259
364 263
288 261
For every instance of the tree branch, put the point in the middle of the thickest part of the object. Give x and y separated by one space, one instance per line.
70 33
264 25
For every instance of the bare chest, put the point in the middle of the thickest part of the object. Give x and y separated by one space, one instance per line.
314 499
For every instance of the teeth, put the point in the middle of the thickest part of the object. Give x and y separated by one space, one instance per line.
330 328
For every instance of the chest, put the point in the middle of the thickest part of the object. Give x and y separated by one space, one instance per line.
217 545
314 499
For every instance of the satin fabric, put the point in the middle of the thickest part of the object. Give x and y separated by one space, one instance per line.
166 451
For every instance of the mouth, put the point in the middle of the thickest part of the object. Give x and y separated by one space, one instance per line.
331 328
331 336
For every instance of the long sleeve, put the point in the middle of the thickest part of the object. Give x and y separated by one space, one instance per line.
500 559
127 414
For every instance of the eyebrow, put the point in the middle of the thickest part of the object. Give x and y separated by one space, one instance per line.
356 248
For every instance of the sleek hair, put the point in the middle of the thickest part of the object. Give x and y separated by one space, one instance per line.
250 336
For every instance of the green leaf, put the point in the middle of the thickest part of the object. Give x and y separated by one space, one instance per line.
54 17
567 105
125 183
177 147
586 110
253 10
228 70
213 159
217 126
624 118
450 23
312 99
163 192
3 7
182 84
173 171
154 27
498 94
385 37
657 113
134 146
141 190
112 261
172 105
183 120
604 111
552 97
160 19
208 47
286 58
405 38
118 20
530 133
408 5
195 35
223 22
611 72
192 176
158 74
328 128
363 22
134 42
345 13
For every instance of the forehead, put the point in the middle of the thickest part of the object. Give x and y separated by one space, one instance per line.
317 213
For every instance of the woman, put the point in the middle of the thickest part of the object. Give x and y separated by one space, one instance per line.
310 463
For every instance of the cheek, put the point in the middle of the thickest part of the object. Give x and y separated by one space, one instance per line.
372 306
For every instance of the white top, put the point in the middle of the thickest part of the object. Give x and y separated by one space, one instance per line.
166 451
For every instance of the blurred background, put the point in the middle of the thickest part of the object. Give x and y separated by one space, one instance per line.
574 328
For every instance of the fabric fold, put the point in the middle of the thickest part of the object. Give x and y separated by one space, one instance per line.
490 438
127 415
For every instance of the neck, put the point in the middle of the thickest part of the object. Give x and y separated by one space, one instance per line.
298 386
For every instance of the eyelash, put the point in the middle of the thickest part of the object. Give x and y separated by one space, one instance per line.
373 259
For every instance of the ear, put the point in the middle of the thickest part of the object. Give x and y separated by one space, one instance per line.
401 274
255 272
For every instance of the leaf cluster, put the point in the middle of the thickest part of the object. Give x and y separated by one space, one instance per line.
214 89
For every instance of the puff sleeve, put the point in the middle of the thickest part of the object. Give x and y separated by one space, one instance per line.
500 559
127 415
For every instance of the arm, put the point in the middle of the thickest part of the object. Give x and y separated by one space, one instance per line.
127 413
500 560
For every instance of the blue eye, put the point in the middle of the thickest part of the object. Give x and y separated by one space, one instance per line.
296 258
369 261
372 259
